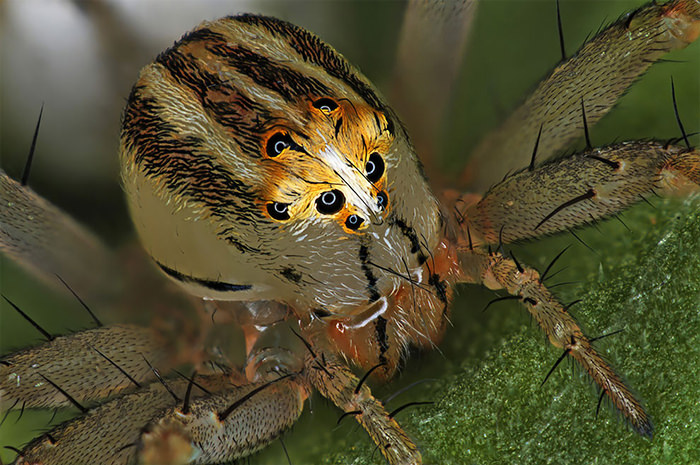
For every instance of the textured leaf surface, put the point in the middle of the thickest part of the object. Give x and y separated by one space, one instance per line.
493 410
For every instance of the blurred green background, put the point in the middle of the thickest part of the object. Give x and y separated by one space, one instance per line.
80 60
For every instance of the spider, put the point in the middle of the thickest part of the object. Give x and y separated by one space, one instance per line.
381 368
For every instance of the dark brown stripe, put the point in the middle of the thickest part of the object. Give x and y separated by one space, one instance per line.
185 72
243 118
369 275
230 235
201 35
290 84
321 313
381 337
315 51
410 233
209 284
390 125
291 274
440 287
338 125
376 122
182 164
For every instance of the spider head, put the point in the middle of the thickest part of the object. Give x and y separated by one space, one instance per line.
248 180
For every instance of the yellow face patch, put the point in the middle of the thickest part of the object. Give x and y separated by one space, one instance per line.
333 167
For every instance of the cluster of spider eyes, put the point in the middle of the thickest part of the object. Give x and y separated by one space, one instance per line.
332 201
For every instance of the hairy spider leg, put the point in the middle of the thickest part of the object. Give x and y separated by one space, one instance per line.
598 74
498 272
577 190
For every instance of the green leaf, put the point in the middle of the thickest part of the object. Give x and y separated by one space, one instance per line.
493 410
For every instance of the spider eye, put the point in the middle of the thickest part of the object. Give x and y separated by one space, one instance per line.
278 211
382 200
325 104
353 222
374 167
330 202
277 143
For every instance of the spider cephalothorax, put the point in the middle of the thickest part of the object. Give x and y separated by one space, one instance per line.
261 168
296 182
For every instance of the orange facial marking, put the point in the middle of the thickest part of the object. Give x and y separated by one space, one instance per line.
340 148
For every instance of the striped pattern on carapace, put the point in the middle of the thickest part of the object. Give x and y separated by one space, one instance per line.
289 156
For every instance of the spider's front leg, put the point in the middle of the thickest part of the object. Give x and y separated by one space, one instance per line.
596 76
229 425
337 383
554 197
570 192
210 418
241 420
498 272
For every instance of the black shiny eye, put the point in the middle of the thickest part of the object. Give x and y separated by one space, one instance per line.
374 167
353 222
277 143
278 211
325 104
330 202
382 200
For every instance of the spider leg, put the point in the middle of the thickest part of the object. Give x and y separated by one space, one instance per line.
498 272
88 365
208 419
573 191
598 74
337 383
217 422
226 426
119 423
433 38
47 242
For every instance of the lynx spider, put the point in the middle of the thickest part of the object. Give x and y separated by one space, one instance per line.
331 42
